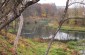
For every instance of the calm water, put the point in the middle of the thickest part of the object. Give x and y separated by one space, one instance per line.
68 36
82 52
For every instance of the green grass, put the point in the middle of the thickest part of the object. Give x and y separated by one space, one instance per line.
30 47
11 30
69 28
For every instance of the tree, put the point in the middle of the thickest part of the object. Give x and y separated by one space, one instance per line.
16 8
19 31
61 22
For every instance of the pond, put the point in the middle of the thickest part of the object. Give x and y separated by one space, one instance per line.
61 35
82 52
65 36
68 35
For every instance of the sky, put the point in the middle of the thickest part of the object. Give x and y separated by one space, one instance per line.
57 2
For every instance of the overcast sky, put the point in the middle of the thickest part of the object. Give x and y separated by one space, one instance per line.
57 2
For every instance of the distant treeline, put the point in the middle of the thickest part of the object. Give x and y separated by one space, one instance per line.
53 11
43 10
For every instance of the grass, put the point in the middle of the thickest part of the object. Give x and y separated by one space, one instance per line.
30 47
68 28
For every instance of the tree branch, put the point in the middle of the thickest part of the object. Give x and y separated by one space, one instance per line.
16 16
60 24
75 3
11 9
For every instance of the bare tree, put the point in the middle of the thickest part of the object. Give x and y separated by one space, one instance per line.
15 8
61 22
17 12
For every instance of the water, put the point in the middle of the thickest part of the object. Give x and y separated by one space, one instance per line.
68 36
82 52
65 35
71 35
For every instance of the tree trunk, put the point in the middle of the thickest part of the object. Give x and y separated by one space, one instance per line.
19 32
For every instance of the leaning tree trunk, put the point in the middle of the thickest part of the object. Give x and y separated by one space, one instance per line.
19 32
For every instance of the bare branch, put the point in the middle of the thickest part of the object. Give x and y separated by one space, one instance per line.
2 3
75 3
16 16
60 24
15 4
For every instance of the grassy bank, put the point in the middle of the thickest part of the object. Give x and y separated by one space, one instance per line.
32 47
69 28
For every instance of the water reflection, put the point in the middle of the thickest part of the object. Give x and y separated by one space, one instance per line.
82 52
68 36
65 35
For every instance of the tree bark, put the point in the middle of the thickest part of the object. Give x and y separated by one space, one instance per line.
19 31
28 3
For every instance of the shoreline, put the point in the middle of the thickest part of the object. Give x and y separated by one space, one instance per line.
76 29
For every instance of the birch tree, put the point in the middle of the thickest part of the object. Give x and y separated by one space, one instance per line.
19 31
